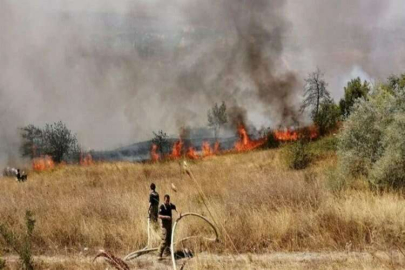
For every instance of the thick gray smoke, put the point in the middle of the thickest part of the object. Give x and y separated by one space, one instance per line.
114 71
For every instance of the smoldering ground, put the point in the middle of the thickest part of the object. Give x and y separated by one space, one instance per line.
114 72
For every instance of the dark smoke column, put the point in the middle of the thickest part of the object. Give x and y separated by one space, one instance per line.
252 71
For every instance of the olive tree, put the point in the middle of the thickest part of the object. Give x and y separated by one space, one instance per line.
372 143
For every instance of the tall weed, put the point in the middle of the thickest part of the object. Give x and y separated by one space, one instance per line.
21 245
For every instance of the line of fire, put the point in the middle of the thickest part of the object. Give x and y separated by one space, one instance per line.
185 149
245 143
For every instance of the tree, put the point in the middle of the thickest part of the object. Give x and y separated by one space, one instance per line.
395 82
217 117
353 91
32 142
55 140
371 145
327 117
315 92
59 140
161 141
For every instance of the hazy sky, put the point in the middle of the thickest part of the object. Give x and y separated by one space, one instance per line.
115 71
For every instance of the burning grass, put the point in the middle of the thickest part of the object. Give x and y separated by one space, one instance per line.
42 163
262 204
244 144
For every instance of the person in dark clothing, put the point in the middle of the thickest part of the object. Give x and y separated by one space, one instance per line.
18 175
165 214
153 204
21 176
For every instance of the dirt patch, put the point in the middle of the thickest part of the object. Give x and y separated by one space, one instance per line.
277 260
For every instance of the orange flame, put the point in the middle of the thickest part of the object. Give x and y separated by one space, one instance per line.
217 147
292 135
286 135
153 153
245 143
313 132
206 149
42 163
176 150
191 154
87 160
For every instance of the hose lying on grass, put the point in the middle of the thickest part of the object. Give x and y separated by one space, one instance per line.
172 246
142 251
121 265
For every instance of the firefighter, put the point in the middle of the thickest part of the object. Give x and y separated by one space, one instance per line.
153 204
165 214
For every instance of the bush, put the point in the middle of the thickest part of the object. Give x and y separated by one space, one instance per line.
297 155
272 141
372 145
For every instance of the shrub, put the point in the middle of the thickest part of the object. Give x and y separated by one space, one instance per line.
371 145
272 141
297 155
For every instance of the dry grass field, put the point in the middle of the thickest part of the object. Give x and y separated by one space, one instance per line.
261 205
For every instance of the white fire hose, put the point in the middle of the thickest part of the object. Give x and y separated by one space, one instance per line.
142 251
146 249
215 239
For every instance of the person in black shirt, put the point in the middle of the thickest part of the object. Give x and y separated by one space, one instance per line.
153 204
165 214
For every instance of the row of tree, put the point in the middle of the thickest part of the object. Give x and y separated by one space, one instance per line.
325 113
